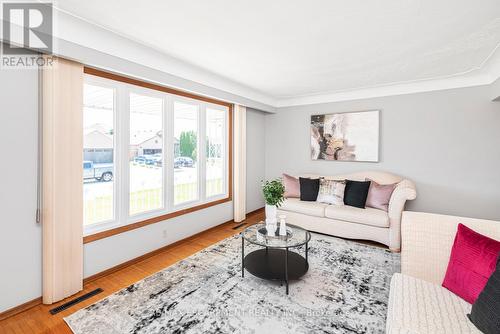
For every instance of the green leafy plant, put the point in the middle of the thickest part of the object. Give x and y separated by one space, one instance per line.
273 192
187 143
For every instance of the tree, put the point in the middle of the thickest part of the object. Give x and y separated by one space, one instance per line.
187 144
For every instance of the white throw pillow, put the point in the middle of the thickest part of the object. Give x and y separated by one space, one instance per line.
331 192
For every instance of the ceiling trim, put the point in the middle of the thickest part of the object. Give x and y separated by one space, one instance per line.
486 74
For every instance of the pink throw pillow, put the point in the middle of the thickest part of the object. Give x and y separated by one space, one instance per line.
379 195
472 261
292 186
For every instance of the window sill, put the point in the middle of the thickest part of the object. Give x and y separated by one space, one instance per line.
153 220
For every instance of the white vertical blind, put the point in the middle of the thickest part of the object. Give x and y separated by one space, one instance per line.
62 208
240 170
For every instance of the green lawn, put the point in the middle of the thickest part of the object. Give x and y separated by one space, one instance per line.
101 208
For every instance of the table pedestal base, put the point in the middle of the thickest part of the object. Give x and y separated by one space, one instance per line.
276 264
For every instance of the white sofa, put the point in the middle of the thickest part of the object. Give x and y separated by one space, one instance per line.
417 302
350 222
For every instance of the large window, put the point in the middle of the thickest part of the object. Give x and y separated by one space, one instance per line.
150 153
146 153
186 157
98 154
216 152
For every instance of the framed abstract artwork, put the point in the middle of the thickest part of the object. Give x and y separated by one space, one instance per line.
352 136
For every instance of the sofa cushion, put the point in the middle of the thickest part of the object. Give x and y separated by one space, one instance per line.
292 186
331 192
305 207
417 306
485 313
309 189
356 192
472 261
379 195
367 216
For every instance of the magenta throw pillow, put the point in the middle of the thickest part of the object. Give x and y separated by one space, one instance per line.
379 195
472 261
292 186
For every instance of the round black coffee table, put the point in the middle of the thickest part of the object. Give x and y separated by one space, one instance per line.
275 261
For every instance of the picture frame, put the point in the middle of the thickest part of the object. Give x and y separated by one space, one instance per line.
350 136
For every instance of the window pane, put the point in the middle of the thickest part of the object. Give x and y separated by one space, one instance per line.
98 154
185 152
146 153
215 152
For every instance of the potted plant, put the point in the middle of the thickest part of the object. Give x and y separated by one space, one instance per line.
274 196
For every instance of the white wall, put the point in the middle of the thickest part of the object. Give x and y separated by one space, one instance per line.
448 142
106 253
21 236
495 91
256 147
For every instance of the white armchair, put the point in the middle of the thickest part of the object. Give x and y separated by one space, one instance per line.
428 239
417 302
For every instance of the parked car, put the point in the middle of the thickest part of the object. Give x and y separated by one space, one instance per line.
100 172
150 161
140 159
158 162
153 160
184 162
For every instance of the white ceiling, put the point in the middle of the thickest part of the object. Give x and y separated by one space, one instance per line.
288 49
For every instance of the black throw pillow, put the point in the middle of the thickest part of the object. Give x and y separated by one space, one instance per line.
485 312
356 192
309 189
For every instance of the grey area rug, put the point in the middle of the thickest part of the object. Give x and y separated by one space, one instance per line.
346 290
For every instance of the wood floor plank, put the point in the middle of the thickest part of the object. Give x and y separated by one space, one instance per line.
39 320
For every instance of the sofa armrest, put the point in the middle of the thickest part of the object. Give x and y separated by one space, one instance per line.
427 240
405 190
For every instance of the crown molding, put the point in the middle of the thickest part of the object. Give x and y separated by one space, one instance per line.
486 74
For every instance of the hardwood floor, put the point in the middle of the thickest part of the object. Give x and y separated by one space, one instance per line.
39 320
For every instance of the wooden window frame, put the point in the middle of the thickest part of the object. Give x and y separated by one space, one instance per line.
168 90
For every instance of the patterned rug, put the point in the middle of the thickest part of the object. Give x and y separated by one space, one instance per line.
345 291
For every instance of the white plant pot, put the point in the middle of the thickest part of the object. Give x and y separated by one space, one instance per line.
271 213
271 220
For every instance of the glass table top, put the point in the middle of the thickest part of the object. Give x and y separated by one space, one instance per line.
257 234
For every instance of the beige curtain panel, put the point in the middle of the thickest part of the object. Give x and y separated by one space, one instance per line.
240 162
62 203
